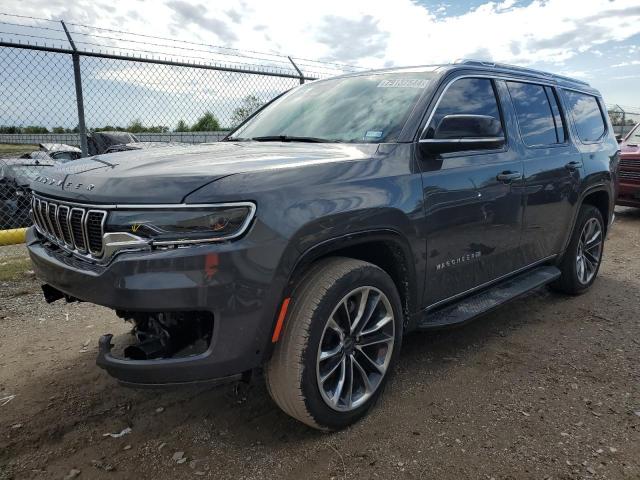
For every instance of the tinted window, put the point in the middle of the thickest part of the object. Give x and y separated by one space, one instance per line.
533 109
557 116
470 96
586 114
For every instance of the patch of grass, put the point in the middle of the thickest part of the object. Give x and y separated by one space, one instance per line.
11 149
12 269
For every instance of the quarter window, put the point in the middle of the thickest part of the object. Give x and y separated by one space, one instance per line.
586 114
536 119
467 96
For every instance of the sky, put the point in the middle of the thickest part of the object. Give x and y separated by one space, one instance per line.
594 40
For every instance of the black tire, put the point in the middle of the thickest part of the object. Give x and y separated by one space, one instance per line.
292 374
570 282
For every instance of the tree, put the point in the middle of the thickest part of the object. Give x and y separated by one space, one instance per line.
206 123
250 104
182 126
57 129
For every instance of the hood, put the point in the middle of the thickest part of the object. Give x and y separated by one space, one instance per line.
630 149
169 174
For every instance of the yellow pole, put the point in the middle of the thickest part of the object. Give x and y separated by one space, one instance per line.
9 237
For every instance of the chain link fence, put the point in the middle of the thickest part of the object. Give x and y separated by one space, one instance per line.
623 119
61 103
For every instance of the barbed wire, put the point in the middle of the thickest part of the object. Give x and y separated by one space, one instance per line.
241 52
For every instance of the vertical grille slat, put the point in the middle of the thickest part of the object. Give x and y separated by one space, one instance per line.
77 228
70 226
52 210
94 229
63 222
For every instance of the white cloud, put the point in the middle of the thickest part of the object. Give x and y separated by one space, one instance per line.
399 32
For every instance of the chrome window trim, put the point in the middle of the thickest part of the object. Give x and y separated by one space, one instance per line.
463 140
536 81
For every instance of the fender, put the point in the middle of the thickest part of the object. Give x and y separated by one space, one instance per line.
328 246
598 187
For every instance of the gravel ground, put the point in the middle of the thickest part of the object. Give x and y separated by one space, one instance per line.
547 387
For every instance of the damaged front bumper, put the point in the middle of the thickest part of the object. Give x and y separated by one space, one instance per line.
217 281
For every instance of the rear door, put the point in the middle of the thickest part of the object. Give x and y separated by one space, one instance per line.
473 199
552 168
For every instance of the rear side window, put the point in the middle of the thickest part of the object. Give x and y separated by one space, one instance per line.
536 120
467 96
557 116
586 114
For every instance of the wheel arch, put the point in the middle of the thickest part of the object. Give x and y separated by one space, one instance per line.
598 196
385 248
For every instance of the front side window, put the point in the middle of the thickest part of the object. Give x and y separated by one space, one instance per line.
586 114
467 96
369 108
535 117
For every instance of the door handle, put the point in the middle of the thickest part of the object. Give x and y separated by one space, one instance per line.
574 165
508 176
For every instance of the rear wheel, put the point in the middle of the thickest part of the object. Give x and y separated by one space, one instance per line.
340 341
582 259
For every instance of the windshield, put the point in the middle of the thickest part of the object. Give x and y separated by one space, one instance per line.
362 109
634 137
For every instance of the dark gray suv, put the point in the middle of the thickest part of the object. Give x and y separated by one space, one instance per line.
339 217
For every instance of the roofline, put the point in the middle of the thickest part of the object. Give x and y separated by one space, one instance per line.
484 65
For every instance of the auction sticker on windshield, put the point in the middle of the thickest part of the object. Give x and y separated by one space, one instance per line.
404 83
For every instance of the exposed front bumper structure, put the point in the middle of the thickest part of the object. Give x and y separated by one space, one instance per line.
219 280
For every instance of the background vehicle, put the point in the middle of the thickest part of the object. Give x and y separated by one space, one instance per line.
61 152
124 147
15 201
344 214
629 175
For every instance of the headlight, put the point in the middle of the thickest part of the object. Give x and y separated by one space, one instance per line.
184 225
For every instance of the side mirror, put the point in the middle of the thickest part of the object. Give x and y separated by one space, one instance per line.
465 132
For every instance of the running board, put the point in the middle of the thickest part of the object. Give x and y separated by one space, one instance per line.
487 300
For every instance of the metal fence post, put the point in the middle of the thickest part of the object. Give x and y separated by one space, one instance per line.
297 70
79 99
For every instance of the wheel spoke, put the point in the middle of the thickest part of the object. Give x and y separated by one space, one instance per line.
378 325
590 257
333 325
349 395
594 238
368 388
369 360
374 340
362 305
331 371
589 266
326 354
343 373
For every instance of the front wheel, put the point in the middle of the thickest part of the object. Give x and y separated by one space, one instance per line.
340 341
582 259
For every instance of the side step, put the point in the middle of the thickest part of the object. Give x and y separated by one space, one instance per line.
487 300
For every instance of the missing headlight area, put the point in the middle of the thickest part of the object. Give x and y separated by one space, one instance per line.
160 335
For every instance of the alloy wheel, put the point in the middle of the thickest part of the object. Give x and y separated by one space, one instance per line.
355 348
589 251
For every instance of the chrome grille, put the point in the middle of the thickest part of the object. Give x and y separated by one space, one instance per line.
629 162
631 175
75 228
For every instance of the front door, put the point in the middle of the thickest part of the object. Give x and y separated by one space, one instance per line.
473 200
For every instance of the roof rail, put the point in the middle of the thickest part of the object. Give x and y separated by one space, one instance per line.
506 66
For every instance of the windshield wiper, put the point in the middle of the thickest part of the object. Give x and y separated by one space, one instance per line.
291 138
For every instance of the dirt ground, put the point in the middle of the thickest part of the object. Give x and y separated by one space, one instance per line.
547 387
